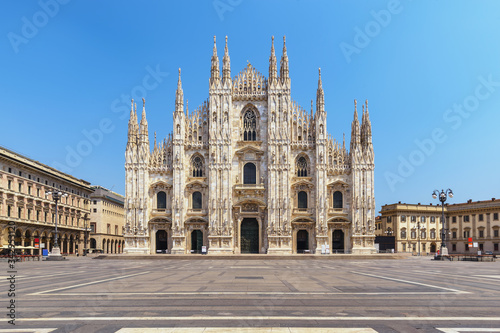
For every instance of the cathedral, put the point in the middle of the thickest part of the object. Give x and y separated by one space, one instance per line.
249 171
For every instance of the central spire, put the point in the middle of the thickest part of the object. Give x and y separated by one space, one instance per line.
226 65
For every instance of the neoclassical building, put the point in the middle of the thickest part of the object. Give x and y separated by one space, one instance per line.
107 220
27 214
249 171
417 226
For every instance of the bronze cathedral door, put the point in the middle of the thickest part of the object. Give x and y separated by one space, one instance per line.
249 235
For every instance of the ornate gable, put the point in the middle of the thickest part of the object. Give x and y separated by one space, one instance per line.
249 84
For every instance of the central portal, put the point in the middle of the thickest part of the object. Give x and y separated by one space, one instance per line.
249 235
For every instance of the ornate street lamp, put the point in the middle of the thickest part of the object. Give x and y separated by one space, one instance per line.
418 228
56 251
443 195
85 234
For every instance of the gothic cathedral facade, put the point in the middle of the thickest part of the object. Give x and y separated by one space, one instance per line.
249 171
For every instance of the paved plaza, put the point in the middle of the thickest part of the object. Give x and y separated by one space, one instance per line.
407 295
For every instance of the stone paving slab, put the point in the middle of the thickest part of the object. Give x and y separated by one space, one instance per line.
413 295
376 256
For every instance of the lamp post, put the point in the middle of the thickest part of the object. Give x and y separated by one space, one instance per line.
56 251
388 233
85 235
443 195
418 228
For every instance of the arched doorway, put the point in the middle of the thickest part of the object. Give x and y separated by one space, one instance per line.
93 245
302 241
27 241
338 241
433 247
64 245
196 241
249 235
18 238
161 241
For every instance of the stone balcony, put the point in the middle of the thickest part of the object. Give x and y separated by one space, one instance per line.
197 212
249 190
304 212
161 212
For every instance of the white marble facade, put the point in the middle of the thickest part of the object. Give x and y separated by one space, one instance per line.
249 171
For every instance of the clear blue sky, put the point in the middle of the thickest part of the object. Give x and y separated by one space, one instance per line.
429 69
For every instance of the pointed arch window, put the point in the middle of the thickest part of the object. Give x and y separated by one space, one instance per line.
197 200
337 199
161 200
249 174
249 126
302 167
302 200
197 166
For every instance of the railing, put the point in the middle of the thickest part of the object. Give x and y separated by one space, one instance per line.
472 257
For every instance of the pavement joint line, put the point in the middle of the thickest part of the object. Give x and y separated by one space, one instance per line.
263 318
199 293
88 283
282 329
466 329
28 330
473 277
491 277
413 282
26 277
